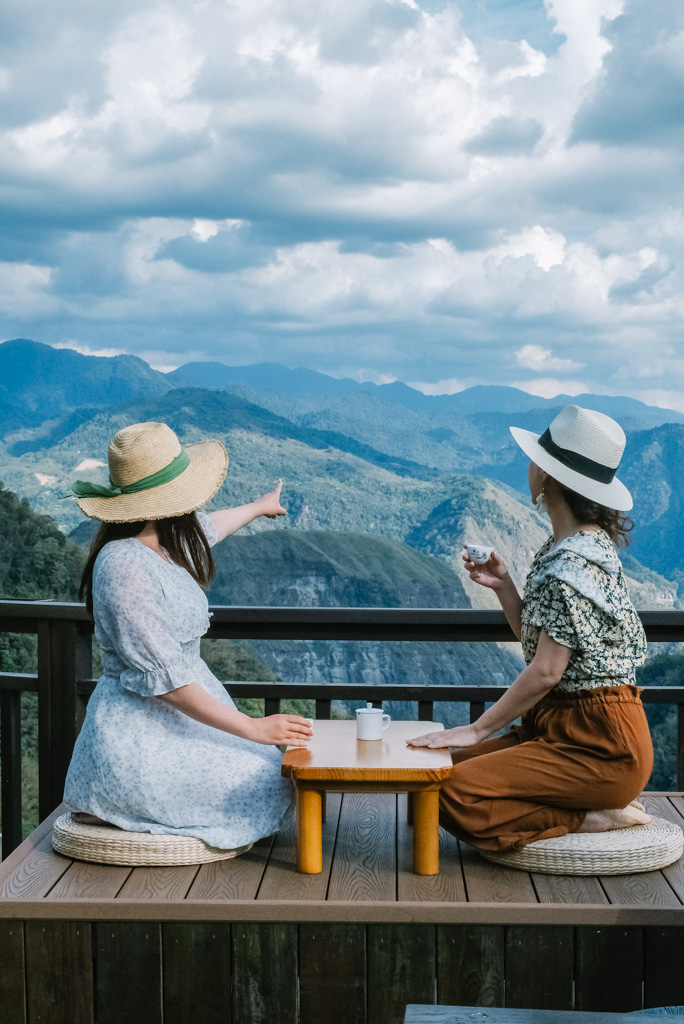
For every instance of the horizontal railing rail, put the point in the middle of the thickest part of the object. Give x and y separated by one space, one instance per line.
63 681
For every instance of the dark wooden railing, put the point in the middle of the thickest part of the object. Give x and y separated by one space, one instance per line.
63 681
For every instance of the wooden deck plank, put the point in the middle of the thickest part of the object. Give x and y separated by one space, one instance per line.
663 808
340 911
663 976
281 879
551 988
36 874
609 969
492 883
196 963
137 945
447 885
470 965
401 969
31 843
59 972
677 801
264 973
575 889
89 881
236 879
364 866
332 973
12 975
158 883
646 889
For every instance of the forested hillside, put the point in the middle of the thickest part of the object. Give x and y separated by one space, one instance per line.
36 561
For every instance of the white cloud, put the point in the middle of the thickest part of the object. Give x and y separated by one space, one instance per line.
86 350
545 246
549 387
362 375
541 360
303 182
449 386
203 230
662 398
24 290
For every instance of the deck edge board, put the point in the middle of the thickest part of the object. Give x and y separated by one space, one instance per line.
546 914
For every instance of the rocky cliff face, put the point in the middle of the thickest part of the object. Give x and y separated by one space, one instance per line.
320 569
481 511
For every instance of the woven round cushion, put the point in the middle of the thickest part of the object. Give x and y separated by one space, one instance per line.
622 851
106 844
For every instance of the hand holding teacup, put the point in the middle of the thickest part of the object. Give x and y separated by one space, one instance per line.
485 566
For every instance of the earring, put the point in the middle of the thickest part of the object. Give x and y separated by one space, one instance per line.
540 503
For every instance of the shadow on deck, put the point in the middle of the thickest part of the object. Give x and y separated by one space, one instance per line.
251 940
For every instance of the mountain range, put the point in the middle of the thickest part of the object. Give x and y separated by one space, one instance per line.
380 460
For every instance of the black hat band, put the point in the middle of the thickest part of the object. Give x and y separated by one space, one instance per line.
579 463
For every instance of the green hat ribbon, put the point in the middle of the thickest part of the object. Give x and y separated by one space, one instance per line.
84 489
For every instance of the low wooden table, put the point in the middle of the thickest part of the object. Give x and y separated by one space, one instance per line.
336 760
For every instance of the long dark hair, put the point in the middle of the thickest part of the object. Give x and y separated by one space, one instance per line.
181 536
616 525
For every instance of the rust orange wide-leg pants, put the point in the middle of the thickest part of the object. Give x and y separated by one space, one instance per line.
573 752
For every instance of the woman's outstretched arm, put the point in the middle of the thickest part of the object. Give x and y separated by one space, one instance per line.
196 703
494 576
230 520
533 683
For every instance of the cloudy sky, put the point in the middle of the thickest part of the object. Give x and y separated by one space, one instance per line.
446 192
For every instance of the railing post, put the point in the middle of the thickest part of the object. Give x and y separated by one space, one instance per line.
680 747
477 709
10 734
64 657
425 710
323 709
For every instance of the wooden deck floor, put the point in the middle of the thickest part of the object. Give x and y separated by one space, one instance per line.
366 876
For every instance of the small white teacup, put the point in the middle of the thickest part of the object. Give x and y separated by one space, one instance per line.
371 723
479 554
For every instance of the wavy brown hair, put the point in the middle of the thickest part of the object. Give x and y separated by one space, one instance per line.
616 525
181 536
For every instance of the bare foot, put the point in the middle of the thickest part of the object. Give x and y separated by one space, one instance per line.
638 804
606 821
87 819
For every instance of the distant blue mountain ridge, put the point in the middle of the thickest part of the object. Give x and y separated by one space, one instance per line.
479 399
37 380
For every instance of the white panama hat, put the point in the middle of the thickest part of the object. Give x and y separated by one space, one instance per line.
581 449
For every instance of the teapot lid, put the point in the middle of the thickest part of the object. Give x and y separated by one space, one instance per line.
368 709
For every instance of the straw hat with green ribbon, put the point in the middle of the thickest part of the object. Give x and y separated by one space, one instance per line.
153 477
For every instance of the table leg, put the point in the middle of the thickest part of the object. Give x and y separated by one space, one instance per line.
426 832
324 807
309 831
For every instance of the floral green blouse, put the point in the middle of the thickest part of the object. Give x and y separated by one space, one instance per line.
577 593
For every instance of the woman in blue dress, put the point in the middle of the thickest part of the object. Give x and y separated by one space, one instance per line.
163 748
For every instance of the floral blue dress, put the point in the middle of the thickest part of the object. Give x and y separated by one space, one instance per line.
140 763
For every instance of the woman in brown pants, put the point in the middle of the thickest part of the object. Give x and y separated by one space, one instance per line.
582 753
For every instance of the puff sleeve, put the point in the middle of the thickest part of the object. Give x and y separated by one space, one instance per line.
207 524
132 624
554 611
572 619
